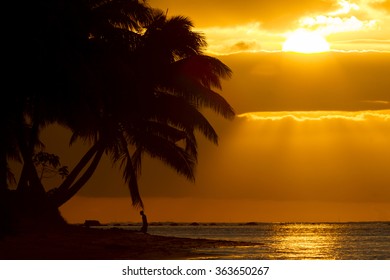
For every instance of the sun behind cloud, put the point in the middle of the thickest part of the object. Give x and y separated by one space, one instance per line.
304 41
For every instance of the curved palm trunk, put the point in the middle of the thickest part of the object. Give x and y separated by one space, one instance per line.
69 192
67 183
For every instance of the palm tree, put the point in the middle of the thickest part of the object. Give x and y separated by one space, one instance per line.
135 81
158 111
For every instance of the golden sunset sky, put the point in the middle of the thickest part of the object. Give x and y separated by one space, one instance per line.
311 140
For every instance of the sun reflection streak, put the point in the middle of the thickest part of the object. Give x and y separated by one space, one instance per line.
307 241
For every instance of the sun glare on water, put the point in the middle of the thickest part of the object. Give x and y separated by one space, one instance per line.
304 41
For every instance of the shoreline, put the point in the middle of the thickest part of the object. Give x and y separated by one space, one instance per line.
82 243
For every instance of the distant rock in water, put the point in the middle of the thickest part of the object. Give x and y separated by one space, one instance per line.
251 224
194 224
92 223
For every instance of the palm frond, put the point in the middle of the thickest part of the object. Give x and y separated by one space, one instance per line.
172 39
126 14
162 130
130 177
207 70
130 174
167 131
169 153
137 160
201 96
178 112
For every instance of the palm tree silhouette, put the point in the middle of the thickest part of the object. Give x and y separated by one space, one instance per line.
135 81
160 107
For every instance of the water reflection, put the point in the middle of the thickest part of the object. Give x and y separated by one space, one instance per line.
305 241
279 241
300 241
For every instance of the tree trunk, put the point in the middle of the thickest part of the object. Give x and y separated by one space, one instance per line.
29 206
67 194
67 183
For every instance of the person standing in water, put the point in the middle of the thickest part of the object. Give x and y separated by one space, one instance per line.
144 227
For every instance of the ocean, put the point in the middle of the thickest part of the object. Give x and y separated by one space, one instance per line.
287 241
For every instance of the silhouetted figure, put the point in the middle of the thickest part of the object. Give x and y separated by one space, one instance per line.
144 227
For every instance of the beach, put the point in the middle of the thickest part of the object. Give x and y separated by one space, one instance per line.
82 243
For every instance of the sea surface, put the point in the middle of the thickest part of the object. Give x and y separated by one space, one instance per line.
288 241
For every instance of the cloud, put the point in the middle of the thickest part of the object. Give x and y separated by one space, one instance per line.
377 101
366 41
273 15
243 46
320 115
350 17
330 25
361 45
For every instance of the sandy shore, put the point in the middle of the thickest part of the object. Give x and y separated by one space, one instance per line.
80 243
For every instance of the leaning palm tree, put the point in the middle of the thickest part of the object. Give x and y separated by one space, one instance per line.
175 81
157 111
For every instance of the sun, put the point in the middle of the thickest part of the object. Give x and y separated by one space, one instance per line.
304 41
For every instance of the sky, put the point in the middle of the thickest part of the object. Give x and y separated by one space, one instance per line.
232 26
310 141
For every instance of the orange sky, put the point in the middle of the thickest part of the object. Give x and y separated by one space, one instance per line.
310 140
